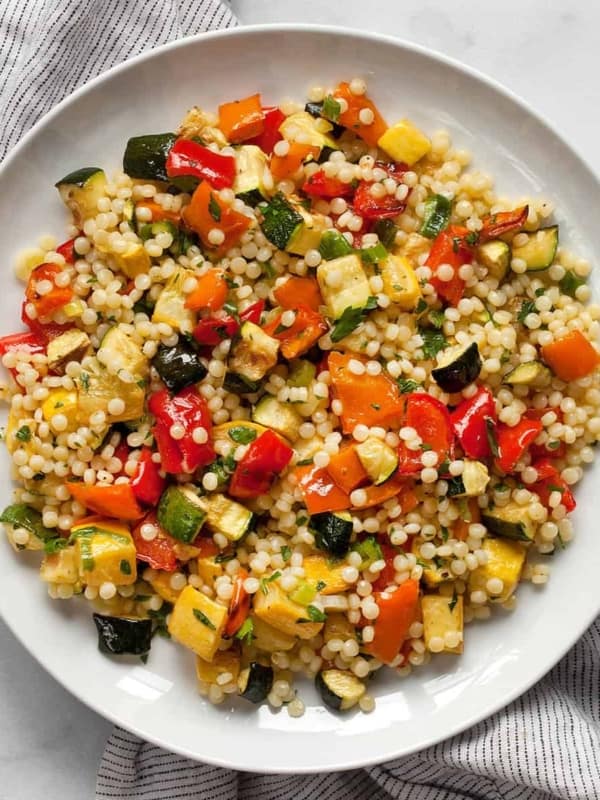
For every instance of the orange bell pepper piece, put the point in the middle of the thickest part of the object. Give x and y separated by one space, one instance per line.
299 292
571 357
284 166
57 297
367 399
346 469
242 119
397 612
306 330
207 211
503 222
319 491
239 605
211 292
460 529
386 491
159 214
350 118
206 546
111 499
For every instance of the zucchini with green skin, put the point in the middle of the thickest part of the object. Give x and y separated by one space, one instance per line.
280 221
302 373
316 111
333 245
472 482
80 192
570 282
539 250
255 682
437 216
280 417
339 690
251 164
20 515
145 157
509 522
181 513
496 256
228 517
369 550
233 382
458 367
119 636
333 532
122 354
179 366
379 460
530 373
353 291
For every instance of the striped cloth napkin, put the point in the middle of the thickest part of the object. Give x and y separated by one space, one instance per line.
544 745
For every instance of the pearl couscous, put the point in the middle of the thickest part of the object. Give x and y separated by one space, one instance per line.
300 392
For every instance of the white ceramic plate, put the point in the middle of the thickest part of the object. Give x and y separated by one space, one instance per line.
504 656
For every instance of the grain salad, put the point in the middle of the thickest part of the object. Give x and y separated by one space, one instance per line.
300 392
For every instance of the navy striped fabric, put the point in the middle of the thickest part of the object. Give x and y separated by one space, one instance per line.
544 745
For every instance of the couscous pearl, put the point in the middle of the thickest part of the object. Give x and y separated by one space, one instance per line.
116 406
107 590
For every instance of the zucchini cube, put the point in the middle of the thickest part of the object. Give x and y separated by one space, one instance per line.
170 306
268 638
65 402
354 290
105 552
439 618
80 192
276 608
161 583
505 561
400 282
197 622
255 353
405 142
223 661
281 417
60 567
209 569
134 261
226 516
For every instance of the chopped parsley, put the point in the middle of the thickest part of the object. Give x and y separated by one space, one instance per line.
454 601
444 533
52 546
331 109
437 318
314 615
241 434
84 380
301 520
125 567
472 238
421 306
433 342
376 406
527 307
304 462
407 385
214 209
351 319
24 433
264 582
221 558
286 552
160 620
201 617
320 585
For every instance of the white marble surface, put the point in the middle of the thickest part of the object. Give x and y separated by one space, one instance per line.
545 51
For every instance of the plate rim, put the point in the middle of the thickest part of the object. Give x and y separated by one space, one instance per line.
582 624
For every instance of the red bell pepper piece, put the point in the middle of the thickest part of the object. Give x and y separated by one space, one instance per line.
513 442
57 297
239 605
159 553
320 491
188 409
397 612
306 330
470 425
319 185
370 207
213 330
67 251
553 449
450 247
147 483
111 499
23 343
45 331
496 225
431 420
265 458
187 157
550 480
386 576
273 117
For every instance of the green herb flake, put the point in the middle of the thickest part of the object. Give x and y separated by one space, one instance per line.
201 617
222 558
315 614
433 342
444 533
24 433
376 406
351 319
231 283
286 553
301 520
561 541
55 545
472 238
437 318
84 380
246 632
386 230
241 434
490 429
425 447
264 582
214 209
280 329
160 620
331 109
552 445
407 385
421 306
304 462
454 601
320 585
554 488
125 567
527 307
